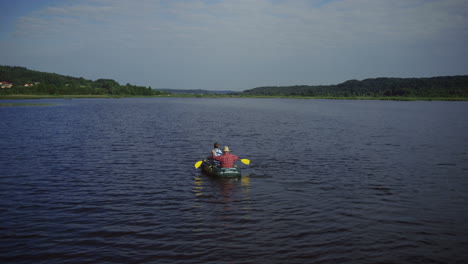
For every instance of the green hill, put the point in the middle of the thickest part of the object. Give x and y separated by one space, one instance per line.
447 86
32 82
27 81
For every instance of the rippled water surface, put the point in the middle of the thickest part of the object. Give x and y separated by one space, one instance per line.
112 181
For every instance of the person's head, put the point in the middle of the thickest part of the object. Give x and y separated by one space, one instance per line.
216 145
226 149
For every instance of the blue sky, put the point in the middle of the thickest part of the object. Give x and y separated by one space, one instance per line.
236 44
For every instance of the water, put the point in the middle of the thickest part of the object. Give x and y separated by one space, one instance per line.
112 181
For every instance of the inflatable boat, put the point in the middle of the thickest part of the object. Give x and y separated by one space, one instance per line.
213 170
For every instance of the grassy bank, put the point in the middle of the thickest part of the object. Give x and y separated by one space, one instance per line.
386 98
39 96
23 104
382 98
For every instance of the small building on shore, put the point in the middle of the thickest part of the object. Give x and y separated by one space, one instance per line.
5 85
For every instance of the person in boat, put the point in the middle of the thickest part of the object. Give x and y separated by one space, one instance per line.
217 152
227 159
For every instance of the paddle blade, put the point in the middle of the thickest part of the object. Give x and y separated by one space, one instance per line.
198 164
245 161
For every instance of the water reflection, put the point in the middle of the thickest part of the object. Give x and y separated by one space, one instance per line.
221 190
198 186
223 201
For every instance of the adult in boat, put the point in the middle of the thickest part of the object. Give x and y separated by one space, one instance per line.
227 159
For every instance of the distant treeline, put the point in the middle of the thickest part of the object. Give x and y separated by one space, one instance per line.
27 81
449 86
196 91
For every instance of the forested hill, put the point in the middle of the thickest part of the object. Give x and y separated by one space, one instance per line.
25 81
447 86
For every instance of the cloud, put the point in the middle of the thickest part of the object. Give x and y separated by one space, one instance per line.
246 43
248 23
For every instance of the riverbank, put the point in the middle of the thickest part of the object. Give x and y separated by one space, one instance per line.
383 98
40 96
24 104
380 98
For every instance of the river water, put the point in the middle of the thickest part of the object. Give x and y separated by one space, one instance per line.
330 181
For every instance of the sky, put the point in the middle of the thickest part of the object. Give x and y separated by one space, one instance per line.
236 44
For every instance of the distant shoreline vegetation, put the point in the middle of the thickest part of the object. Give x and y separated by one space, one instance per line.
22 83
435 87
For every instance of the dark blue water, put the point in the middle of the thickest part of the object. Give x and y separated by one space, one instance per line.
112 181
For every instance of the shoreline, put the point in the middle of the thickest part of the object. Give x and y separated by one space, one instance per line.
389 98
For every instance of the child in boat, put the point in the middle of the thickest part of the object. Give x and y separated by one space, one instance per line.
216 152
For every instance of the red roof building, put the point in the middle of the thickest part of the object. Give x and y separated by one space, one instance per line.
5 85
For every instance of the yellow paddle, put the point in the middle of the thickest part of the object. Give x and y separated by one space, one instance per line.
199 163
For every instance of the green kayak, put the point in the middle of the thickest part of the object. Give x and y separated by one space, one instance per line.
212 170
